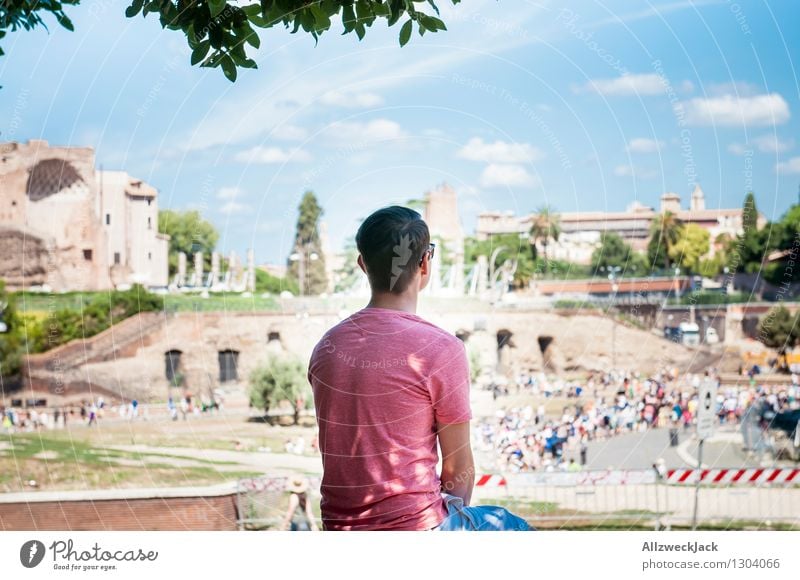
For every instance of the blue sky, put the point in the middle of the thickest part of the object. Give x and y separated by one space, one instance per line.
581 105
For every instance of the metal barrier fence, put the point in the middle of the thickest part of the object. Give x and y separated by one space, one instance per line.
640 498
732 498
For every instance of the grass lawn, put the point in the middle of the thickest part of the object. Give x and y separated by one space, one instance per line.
82 457
39 304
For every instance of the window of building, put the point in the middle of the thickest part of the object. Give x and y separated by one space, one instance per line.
14 203
273 335
108 219
149 223
172 358
87 255
149 255
149 201
117 258
228 361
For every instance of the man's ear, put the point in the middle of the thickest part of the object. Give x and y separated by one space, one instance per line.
425 265
361 264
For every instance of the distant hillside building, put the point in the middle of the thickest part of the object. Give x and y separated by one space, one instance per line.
69 226
441 215
580 231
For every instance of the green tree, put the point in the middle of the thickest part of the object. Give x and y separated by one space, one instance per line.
511 247
220 32
279 379
546 226
664 233
778 329
266 282
12 339
692 245
614 252
782 248
307 251
749 213
348 273
189 233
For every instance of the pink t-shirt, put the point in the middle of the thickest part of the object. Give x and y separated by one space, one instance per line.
382 380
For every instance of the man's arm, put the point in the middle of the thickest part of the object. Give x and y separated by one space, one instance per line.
458 467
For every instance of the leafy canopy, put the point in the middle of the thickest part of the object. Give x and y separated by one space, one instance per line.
219 32
778 329
281 378
188 232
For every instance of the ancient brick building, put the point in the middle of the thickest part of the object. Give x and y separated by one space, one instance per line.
66 225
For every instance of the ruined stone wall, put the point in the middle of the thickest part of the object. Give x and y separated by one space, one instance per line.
84 218
23 258
54 201
539 340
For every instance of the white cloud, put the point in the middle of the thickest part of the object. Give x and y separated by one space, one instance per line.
739 149
506 175
230 207
644 145
790 166
764 143
759 110
477 149
229 193
628 84
351 100
773 144
625 170
266 155
738 88
289 133
375 130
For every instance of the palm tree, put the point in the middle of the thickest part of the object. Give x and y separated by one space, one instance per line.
546 226
665 232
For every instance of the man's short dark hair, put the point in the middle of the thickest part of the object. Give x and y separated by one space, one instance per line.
392 242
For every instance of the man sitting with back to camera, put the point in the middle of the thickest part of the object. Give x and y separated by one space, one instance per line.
387 386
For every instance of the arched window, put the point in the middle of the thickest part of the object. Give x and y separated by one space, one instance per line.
228 363
504 338
172 359
52 176
462 335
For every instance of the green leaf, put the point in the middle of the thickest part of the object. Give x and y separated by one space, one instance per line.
216 7
252 39
65 22
200 51
431 23
405 32
321 19
348 17
134 8
228 67
360 31
152 6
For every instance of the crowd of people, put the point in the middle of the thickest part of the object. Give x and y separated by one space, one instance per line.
605 405
89 413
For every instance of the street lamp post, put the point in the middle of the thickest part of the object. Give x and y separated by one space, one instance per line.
301 257
612 277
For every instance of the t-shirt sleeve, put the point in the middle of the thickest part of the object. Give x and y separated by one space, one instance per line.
449 385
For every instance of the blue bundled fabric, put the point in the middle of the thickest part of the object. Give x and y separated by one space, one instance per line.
481 518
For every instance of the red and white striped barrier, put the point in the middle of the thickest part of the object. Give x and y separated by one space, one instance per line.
487 480
733 476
